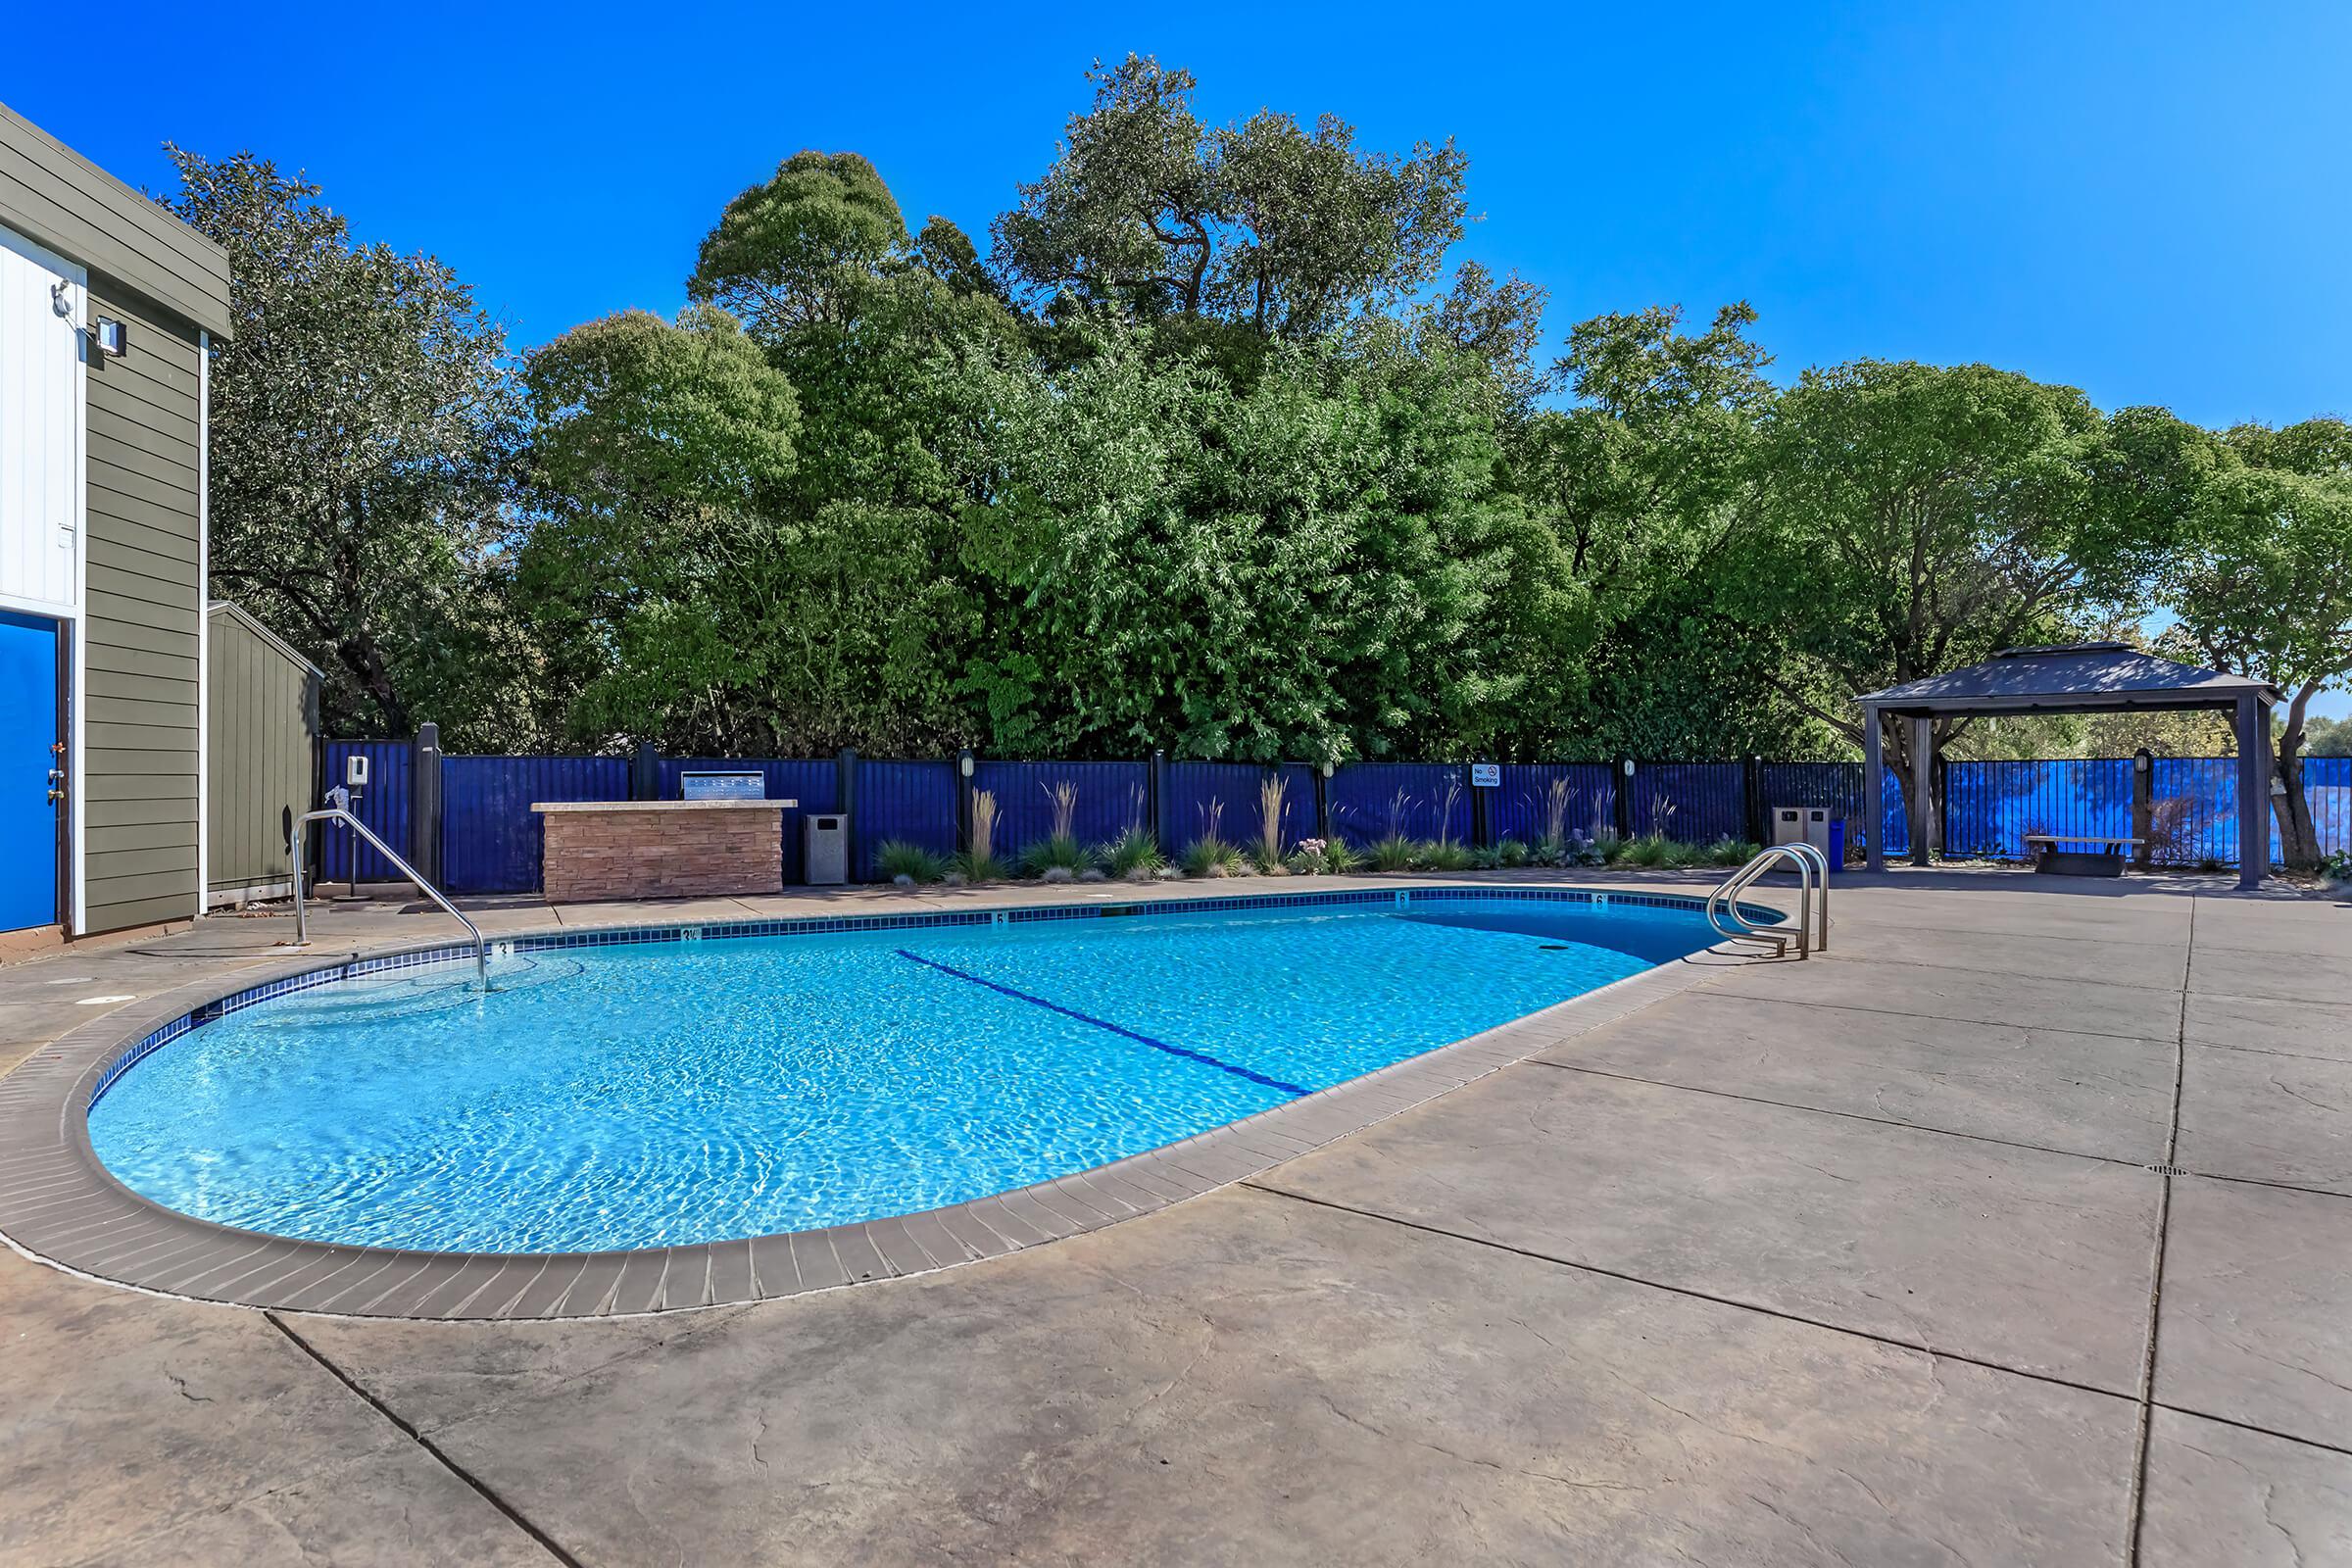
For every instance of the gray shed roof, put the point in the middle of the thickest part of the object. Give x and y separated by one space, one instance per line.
2110 676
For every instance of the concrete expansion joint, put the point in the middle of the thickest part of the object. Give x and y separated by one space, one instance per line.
439 1455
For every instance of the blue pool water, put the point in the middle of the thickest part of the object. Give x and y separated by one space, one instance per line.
661 1094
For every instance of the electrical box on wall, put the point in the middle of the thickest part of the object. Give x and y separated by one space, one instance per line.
355 771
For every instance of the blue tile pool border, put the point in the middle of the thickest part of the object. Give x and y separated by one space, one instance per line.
59 1204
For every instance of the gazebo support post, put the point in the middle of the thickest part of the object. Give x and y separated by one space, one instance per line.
2253 792
1874 788
1923 792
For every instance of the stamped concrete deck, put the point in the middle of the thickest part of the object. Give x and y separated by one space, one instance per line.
1877 1258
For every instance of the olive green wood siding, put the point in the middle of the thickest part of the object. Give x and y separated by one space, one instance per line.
141 607
142 611
262 717
53 195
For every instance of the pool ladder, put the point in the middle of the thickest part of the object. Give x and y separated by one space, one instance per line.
339 812
1812 871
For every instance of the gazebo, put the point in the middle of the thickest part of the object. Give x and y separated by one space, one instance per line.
2073 677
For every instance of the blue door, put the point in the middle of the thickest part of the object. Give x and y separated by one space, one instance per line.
28 752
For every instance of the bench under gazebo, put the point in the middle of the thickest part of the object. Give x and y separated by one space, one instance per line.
2071 678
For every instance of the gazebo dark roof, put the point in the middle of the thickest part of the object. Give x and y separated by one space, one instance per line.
2069 678
2107 676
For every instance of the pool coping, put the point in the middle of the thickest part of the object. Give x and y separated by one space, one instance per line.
60 1204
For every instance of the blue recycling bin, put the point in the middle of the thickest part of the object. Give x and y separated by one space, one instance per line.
1836 850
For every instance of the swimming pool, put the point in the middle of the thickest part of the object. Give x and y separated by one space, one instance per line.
706 1085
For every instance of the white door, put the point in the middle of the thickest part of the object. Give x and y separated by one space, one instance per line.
41 306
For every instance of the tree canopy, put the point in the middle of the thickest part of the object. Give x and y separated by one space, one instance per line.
1220 447
363 418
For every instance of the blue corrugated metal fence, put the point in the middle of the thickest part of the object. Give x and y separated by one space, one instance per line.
1106 799
1369 800
910 802
1229 799
490 836
1989 807
1583 796
382 803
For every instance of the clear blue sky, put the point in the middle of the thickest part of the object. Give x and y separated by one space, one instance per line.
2151 202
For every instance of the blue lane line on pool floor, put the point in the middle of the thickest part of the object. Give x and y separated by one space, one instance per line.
1104 1023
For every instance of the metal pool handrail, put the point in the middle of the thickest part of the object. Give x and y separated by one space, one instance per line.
1812 867
302 939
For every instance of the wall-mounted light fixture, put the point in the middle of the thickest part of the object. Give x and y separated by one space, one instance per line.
1629 767
1327 771
963 764
109 336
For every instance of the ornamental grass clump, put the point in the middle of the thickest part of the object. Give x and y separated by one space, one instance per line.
1134 856
1442 855
1060 851
909 864
1210 855
1267 850
979 864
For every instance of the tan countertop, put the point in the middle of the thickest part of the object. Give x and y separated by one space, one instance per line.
665 805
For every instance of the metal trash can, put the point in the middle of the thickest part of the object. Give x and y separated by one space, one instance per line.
1814 825
825 847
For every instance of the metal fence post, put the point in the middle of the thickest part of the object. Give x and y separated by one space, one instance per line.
645 773
2143 807
1751 786
965 766
1940 796
847 788
424 803
1323 802
1482 830
1625 798
1156 797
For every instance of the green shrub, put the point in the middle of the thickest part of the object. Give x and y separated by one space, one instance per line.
1511 852
1729 851
1211 856
1341 856
980 866
1056 851
1650 850
1443 854
1131 851
896 857
1395 852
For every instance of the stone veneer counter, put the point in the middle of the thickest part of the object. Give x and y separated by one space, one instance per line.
596 849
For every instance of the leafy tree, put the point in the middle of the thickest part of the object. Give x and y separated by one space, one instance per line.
2262 585
1637 484
1287 230
798 250
748 539
1910 519
682 593
362 421
1288 571
1500 321
2327 737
